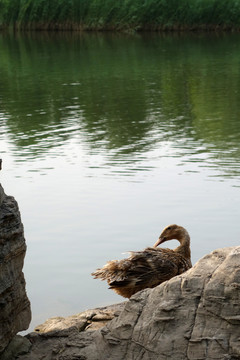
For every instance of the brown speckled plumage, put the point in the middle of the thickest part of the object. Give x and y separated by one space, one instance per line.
150 267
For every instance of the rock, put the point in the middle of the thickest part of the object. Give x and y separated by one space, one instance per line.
193 316
15 313
51 339
87 320
19 345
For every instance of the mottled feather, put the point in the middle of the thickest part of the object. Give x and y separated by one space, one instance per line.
143 269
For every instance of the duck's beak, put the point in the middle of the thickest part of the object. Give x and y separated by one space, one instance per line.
160 241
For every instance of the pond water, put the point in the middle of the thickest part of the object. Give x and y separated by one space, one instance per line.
105 140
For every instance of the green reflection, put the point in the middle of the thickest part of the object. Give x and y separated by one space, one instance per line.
127 94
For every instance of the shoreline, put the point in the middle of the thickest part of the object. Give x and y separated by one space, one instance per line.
84 322
191 316
126 28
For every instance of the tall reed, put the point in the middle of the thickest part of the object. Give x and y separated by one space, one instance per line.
120 14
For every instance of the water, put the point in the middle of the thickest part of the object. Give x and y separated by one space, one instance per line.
105 140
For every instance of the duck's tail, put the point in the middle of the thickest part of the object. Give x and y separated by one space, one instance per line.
113 271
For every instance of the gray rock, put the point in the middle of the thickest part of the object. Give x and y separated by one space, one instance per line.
15 313
87 320
19 345
193 316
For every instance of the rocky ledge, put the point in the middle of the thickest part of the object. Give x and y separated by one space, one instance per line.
15 313
193 316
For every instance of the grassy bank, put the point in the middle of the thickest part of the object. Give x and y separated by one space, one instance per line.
120 14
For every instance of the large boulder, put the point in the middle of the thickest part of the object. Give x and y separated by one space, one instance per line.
194 316
15 313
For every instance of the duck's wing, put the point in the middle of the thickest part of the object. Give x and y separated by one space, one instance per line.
142 269
148 268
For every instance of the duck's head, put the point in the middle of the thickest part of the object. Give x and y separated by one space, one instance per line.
171 232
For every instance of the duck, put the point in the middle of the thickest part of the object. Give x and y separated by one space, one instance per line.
150 267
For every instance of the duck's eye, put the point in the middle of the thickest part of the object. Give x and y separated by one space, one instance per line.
169 228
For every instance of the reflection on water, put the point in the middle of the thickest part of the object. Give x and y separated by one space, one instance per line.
129 99
131 133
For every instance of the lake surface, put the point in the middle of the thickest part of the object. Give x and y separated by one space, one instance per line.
105 140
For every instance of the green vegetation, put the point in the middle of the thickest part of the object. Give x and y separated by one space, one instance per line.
120 14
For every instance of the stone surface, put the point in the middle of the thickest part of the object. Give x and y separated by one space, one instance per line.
15 313
87 320
193 316
19 345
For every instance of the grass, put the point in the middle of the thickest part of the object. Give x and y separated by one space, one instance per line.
120 14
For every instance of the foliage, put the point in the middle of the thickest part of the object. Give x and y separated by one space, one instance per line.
120 14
